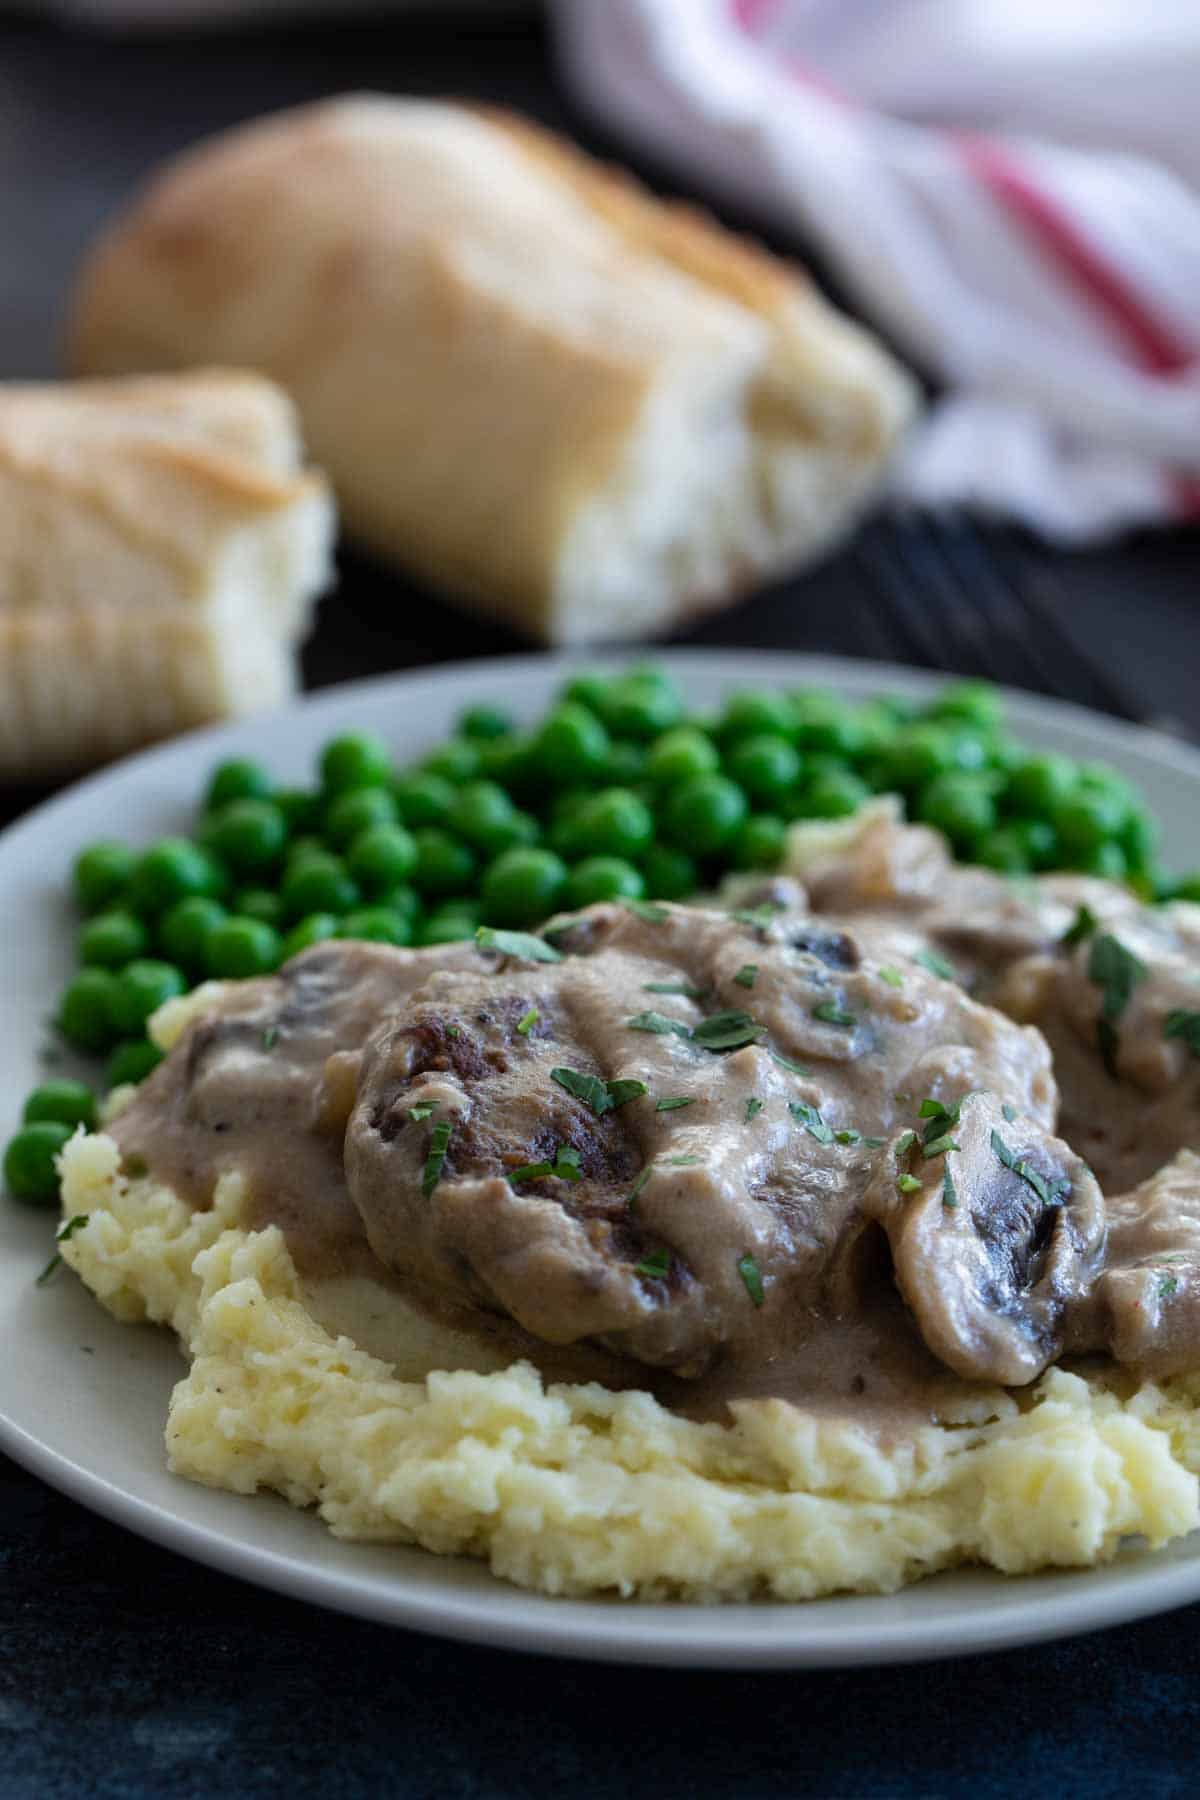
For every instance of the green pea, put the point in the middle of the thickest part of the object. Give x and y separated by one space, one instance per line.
356 811
102 873
358 759
64 1102
827 725
171 870
1039 841
587 690
446 925
259 903
767 767
962 806
1089 818
241 778
916 755
241 948
140 990
1139 841
183 932
423 799
111 939
702 815
482 813
381 857
445 865
402 899
1003 848
759 842
317 928
247 834
301 808
614 822
509 761
626 764
1040 784
832 794
376 925
681 755
641 706
602 878
571 745
485 722
456 761
757 712
974 703
301 848
29 1171
132 1062
669 874
522 886
85 1010
317 882
1107 860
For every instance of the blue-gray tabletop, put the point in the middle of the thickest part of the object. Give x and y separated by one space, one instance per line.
126 1670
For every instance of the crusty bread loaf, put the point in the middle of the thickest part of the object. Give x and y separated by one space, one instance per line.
160 550
582 410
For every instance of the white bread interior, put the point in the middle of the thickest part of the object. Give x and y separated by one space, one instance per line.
160 552
581 410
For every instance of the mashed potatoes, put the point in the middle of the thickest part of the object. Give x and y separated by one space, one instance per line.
574 1489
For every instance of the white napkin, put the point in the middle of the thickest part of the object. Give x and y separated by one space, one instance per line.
1009 188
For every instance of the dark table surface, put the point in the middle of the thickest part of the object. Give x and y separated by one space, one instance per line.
126 1670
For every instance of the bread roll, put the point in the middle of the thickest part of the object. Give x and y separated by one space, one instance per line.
584 412
160 550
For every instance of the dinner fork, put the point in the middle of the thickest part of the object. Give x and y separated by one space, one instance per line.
941 594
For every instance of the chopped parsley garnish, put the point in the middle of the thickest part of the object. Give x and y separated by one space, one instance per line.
753 1107
422 1110
830 1013
758 917
727 1031
672 1102
1116 971
849 1136
270 1037
640 1183
685 988
565 1166
949 1191
905 1142
1009 1112
893 977
1050 1193
752 1279
453 1031
685 1162
649 910
810 1118
747 975
517 943
874 1143
785 1062
656 1266
660 1024
64 1232
1185 1025
1167 1286
602 1096
1082 926
908 1184
937 965
439 1137
936 1139
526 1023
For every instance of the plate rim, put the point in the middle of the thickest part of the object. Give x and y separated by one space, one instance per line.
612 1630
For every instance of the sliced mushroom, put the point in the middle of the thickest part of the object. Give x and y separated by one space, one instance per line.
995 1239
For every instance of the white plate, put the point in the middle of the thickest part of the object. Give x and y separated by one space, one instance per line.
83 1399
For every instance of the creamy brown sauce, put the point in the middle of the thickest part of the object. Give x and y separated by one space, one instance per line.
886 1291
